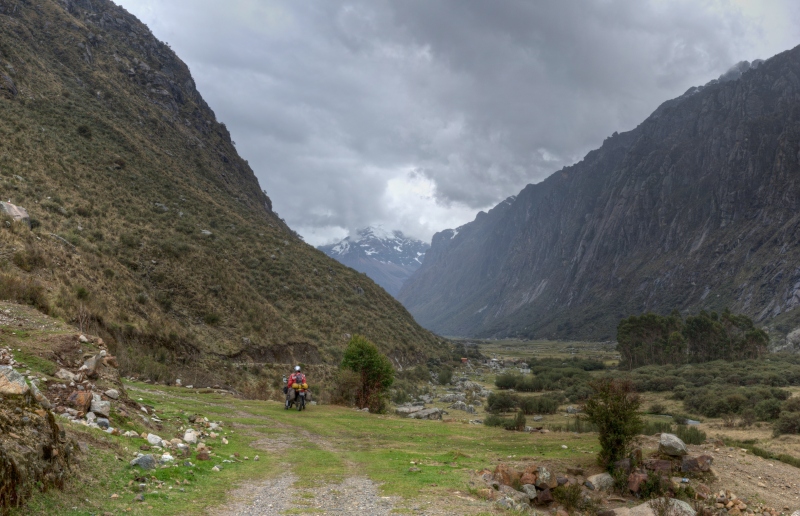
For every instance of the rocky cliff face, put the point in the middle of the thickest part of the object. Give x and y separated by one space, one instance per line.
695 208
144 224
387 257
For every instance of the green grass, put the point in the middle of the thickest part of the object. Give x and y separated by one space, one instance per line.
324 444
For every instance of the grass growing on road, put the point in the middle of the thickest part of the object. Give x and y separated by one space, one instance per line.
324 444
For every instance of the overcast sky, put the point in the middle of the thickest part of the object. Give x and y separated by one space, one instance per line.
416 114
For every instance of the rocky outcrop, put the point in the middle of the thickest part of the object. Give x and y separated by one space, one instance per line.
696 208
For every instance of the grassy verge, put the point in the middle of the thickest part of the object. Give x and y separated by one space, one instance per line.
324 444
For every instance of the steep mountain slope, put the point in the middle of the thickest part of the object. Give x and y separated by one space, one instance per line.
695 208
389 258
148 228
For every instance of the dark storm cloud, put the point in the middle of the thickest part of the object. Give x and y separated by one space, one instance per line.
416 113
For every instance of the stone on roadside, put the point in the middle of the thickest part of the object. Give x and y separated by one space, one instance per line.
671 444
145 462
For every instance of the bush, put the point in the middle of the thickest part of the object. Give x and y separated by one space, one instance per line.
614 409
507 381
768 410
515 423
501 402
376 373
787 423
690 434
445 375
791 405
538 405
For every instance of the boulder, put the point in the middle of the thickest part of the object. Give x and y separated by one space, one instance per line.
506 475
701 464
145 461
12 383
530 490
63 374
408 410
671 445
545 479
659 466
103 423
154 440
190 436
431 413
100 407
39 397
112 393
601 481
518 496
623 465
544 496
635 481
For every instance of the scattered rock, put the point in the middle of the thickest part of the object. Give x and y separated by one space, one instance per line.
696 464
103 423
12 383
545 479
190 436
154 440
100 407
671 445
145 462
431 413
81 400
601 481
112 393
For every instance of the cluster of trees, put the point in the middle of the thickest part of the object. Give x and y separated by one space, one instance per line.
655 339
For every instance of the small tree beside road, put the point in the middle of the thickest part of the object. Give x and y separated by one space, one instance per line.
614 408
375 373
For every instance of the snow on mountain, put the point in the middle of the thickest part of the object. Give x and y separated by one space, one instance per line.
388 257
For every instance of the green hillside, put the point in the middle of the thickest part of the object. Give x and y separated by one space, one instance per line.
148 228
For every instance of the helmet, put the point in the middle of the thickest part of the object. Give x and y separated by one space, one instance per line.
297 368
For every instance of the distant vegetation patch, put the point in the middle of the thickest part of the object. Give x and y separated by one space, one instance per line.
654 339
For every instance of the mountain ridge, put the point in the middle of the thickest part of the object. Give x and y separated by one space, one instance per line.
388 257
672 214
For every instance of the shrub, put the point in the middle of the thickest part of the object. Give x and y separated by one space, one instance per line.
344 386
538 405
787 423
614 409
515 423
501 402
445 375
85 132
376 373
768 410
656 408
690 434
26 291
507 381
791 405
